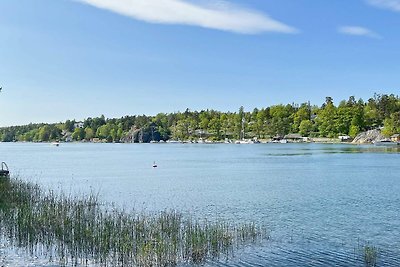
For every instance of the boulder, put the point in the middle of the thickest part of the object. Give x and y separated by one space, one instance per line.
368 137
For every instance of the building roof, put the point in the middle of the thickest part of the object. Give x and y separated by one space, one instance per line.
293 136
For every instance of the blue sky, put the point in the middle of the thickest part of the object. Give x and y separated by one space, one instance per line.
71 59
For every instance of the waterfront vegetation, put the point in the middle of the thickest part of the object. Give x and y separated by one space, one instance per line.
81 231
370 255
327 120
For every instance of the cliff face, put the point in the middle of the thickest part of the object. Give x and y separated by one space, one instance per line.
368 137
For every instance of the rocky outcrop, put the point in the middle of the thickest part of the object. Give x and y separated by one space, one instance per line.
368 137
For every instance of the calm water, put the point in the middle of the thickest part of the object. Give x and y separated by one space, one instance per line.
320 202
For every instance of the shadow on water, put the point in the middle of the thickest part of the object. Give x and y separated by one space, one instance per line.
332 149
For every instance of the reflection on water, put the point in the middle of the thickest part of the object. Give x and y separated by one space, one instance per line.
321 202
335 149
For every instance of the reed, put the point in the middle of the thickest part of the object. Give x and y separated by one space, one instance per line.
370 255
80 231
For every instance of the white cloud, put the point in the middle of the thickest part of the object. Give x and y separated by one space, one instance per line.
220 15
388 4
358 31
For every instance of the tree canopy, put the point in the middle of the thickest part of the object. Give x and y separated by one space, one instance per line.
349 117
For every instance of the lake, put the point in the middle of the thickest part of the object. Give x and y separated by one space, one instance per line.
320 202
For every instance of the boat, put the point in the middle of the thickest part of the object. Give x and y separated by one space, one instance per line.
244 142
154 164
386 142
55 144
4 172
173 142
242 139
283 141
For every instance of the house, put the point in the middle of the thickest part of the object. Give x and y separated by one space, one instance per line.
293 137
79 124
395 138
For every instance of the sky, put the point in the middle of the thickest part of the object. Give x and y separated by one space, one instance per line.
73 59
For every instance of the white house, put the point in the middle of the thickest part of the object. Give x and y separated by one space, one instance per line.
78 124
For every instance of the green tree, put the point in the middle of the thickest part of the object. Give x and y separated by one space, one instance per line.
354 130
78 134
44 133
392 124
89 133
281 120
69 125
215 126
306 127
302 114
326 119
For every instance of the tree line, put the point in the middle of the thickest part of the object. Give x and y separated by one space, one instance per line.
349 117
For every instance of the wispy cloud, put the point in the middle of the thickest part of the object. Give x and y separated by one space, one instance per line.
218 15
358 31
387 4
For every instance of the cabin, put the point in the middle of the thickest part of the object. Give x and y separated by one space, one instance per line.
297 138
395 138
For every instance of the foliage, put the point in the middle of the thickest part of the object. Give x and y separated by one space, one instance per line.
348 118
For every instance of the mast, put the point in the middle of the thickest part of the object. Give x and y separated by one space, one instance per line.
141 135
243 135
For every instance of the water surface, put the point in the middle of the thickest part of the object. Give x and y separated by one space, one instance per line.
321 202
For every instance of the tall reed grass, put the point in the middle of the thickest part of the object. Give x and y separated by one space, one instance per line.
80 231
370 254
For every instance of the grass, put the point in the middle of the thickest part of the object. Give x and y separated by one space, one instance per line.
79 231
370 255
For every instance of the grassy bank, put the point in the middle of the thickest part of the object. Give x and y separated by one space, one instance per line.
74 231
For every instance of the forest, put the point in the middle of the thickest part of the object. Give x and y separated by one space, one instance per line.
349 117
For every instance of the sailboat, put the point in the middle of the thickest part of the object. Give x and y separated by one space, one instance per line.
242 133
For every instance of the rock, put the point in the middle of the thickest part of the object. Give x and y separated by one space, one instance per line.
368 137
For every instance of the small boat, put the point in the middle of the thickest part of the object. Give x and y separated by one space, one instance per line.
4 172
154 164
244 142
55 144
173 141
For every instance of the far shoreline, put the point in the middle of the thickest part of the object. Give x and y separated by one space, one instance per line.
233 142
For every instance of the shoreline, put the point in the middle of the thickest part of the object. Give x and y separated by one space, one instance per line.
232 142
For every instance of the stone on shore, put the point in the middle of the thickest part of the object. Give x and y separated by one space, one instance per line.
368 137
